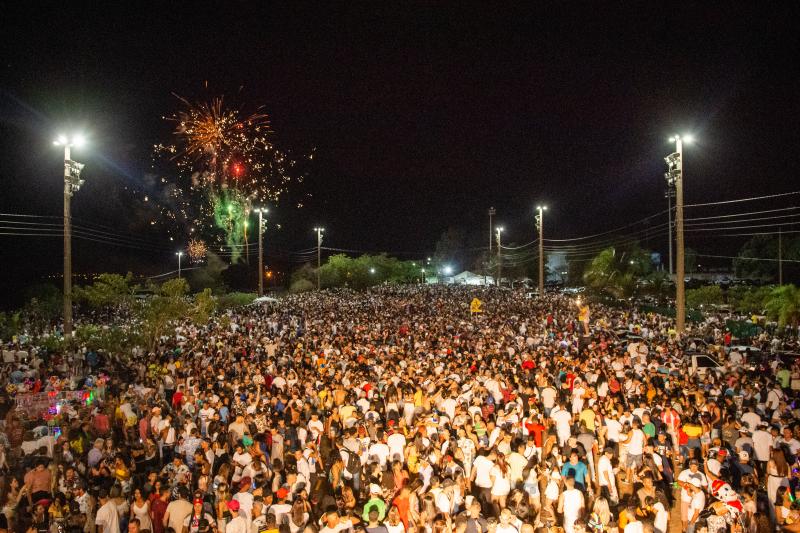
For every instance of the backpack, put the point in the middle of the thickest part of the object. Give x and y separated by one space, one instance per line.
353 462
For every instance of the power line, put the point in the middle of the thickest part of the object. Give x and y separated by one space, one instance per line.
752 199
751 258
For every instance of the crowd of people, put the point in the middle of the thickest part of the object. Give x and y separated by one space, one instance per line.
396 410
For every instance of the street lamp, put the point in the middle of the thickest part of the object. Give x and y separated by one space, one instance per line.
423 276
372 270
261 211
72 183
179 254
540 225
499 258
675 173
319 231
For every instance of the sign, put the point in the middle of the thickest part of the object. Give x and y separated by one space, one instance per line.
475 306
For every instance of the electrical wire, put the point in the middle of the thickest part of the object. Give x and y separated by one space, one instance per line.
751 258
752 199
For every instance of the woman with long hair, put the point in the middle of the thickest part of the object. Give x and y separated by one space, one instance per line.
299 515
393 523
777 475
501 483
140 508
601 514
223 514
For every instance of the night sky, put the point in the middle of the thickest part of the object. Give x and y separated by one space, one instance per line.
420 118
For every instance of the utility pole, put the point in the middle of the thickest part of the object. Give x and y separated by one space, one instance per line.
499 257
669 194
179 254
540 225
780 256
72 183
675 164
319 253
492 212
261 211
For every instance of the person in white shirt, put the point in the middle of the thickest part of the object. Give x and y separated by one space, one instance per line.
107 519
563 420
239 523
570 505
762 443
397 444
697 503
606 476
691 477
661 519
481 478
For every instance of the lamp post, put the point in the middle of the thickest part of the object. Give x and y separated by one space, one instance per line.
179 254
319 231
261 211
675 166
540 225
499 258
72 183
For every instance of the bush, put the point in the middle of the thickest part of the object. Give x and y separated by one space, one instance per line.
235 299
703 296
301 285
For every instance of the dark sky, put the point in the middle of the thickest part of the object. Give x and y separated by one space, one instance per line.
421 117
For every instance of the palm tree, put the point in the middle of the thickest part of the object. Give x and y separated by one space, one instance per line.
783 304
616 272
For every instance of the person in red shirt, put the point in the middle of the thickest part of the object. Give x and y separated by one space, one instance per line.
158 506
536 429
177 398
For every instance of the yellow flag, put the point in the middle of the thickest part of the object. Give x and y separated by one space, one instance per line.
475 306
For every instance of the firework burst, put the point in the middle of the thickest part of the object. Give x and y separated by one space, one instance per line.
197 250
220 163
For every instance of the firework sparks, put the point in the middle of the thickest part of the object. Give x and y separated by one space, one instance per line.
221 158
197 250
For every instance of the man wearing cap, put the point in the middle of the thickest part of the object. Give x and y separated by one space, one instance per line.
239 523
692 476
281 508
696 504
743 468
375 502
192 523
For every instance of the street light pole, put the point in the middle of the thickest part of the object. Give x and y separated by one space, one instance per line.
675 162
499 257
72 183
540 225
319 253
179 254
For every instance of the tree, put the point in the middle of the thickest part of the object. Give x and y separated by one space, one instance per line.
44 303
758 246
615 272
175 288
748 300
702 296
108 290
783 305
